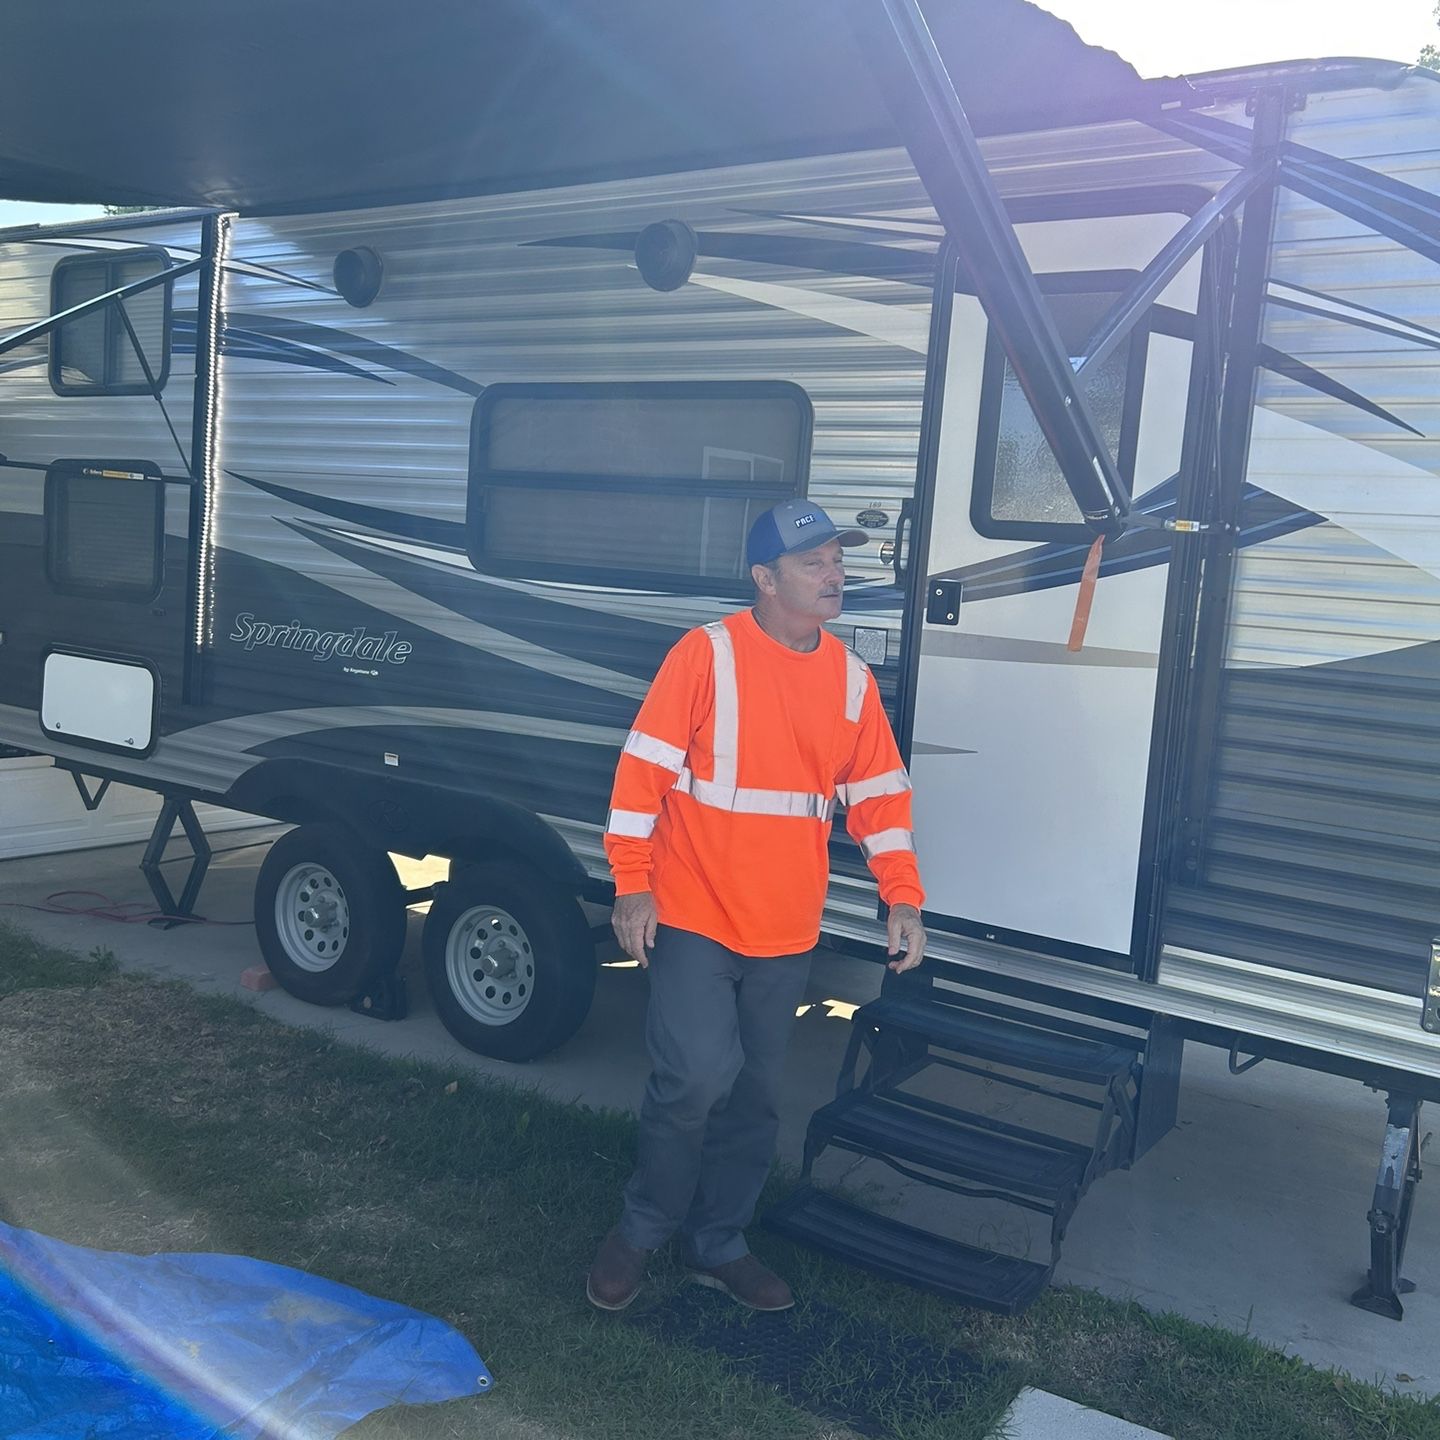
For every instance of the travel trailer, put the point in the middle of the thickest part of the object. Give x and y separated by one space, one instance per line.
375 514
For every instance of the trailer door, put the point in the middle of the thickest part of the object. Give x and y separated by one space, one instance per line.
1030 756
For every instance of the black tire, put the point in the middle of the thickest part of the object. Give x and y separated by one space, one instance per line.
329 961
509 960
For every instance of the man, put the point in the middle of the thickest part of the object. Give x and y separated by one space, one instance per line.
718 840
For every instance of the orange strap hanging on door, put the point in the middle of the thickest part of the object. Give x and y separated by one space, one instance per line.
1086 595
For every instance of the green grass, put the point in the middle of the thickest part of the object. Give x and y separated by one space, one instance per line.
29 964
137 1115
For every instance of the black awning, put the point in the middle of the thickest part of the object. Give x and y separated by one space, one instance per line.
284 104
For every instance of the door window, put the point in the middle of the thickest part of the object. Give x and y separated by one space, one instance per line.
1019 490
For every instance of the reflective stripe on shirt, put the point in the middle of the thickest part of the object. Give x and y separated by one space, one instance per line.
885 841
657 752
634 824
722 793
856 678
795 803
727 705
892 782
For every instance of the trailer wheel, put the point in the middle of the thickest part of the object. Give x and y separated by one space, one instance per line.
329 913
509 960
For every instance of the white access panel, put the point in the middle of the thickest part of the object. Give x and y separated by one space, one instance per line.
111 702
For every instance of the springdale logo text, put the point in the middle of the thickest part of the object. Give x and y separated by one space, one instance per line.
356 644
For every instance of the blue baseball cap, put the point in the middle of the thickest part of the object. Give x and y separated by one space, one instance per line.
793 526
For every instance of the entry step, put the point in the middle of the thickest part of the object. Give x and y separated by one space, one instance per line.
1020 1039
891 1124
1002 1283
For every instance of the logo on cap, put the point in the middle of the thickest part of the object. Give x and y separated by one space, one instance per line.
803 520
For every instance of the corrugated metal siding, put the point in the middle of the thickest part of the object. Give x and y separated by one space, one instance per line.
1322 844
1322 595
474 287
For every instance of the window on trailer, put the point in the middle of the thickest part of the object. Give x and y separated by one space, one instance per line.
650 484
104 535
100 352
1019 492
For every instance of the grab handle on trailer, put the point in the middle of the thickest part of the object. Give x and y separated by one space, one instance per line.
897 545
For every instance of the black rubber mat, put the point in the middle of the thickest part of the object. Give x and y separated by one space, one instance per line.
862 1374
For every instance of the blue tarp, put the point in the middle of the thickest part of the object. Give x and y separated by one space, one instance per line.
102 1346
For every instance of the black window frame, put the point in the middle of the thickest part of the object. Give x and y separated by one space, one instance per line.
482 478
56 478
110 261
992 386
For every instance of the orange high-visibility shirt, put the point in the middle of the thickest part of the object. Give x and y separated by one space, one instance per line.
725 791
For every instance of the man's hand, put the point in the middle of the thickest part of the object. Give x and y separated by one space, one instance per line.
634 920
904 927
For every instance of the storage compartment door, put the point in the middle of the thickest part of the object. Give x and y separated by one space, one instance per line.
112 703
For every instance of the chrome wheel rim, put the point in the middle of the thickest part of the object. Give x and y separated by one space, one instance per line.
312 917
490 965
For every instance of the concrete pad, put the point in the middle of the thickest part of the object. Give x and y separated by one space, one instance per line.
1039 1415
1249 1215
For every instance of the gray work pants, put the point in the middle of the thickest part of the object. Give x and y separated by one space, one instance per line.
717 1028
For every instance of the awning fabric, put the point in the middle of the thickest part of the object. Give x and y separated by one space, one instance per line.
263 105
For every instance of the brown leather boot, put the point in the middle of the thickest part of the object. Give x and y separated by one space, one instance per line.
616 1274
747 1281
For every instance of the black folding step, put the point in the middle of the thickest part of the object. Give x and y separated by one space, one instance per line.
972 1039
1024 1044
1003 1283
909 1128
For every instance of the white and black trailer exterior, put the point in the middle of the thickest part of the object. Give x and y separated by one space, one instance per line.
378 521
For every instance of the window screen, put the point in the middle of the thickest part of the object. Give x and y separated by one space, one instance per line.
1019 489
104 536
642 482
96 353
